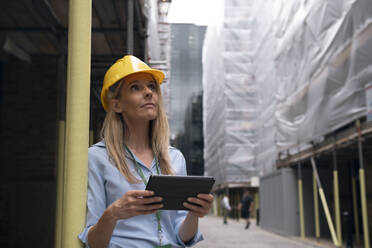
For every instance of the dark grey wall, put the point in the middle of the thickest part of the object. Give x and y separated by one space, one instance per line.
28 134
279 202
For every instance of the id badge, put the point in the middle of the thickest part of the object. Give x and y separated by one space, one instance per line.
164 246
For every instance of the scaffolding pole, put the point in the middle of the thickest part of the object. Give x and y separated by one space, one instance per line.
301 202
355 206
316 208
362 188
77 122
336 197
324 204
61 75
130 26
256 203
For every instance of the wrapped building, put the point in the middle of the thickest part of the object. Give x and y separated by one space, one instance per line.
286 82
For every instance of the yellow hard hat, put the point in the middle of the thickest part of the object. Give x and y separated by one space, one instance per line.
123 67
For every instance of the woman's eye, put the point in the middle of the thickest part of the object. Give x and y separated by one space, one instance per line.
134 87
152 86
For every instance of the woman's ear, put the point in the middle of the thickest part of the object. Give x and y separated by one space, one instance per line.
116 106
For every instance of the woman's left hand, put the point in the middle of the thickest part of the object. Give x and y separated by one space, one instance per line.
203 200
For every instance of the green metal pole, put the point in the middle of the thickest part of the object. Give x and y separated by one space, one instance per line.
301 202
336 197
77 122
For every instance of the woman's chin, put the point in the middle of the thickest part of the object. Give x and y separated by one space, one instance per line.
151 117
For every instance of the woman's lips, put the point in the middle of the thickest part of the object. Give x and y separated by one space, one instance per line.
148 105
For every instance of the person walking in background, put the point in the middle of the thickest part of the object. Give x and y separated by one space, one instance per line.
245 207
226 208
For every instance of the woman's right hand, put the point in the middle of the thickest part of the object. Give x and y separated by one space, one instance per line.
134 203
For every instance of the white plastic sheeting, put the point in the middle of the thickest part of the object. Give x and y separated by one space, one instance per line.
150 10
279 74
229 99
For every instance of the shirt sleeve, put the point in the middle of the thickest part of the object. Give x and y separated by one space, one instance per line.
180 165
96 197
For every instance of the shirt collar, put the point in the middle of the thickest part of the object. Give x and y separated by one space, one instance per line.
127 155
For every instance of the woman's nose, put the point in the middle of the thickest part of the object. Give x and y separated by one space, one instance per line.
148 91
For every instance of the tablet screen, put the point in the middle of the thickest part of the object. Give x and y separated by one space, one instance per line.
176 189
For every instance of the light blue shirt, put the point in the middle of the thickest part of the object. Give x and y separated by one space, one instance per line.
106 185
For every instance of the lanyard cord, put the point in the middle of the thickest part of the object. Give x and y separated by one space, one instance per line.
140 172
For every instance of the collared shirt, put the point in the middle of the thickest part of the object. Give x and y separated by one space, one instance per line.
225 203
106 185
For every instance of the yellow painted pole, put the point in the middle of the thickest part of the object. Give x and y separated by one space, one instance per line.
219 205
325 205
61 154
257 199
355 207
258 207
239 198
301 205
329 219
214 207
364 207
336 198
337 206
77 121
363 196
301 202
256 203
236 202
316 208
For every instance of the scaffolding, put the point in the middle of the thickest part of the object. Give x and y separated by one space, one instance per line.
281 80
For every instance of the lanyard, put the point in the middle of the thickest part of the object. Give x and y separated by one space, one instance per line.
140 172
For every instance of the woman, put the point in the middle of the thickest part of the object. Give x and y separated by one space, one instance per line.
134 146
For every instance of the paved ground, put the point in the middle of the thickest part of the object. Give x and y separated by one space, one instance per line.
233 235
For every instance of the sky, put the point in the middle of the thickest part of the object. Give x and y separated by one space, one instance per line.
199 12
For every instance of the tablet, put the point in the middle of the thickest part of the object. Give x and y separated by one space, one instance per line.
176 189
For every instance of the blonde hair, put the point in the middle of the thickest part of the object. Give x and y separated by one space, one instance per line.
114 128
